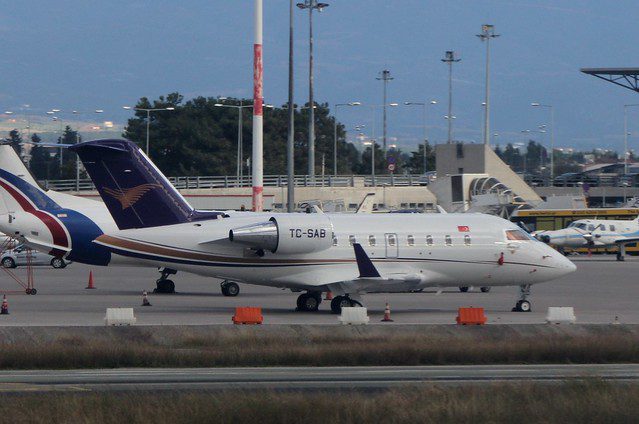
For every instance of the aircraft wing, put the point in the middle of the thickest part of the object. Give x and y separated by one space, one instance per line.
369 276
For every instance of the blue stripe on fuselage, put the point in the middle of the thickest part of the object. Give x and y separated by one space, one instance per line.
82 230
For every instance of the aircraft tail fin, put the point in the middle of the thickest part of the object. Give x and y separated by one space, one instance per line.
18 189
134 190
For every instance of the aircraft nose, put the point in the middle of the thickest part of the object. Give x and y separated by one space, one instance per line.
564 265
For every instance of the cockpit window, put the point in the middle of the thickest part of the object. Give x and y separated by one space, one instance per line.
579 225
516 235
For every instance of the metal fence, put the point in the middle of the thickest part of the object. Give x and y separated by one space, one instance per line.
228 181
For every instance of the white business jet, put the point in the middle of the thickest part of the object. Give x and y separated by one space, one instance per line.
347 254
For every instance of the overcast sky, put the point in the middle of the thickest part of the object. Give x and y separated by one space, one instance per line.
88 54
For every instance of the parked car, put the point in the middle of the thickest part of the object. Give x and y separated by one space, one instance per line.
18 257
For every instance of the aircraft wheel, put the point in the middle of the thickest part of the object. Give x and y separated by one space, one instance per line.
340 302
355 303
463 289
307 302
485 289
34 292
522 306
165 286
230 289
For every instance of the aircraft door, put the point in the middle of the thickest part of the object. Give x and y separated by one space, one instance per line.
392 245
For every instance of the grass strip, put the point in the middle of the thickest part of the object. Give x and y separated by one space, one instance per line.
275 350
583 402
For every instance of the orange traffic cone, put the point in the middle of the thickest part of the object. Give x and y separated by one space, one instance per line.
4 310
329 295
145 299
90 285
387 317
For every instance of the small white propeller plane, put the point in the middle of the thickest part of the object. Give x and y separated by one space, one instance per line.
594 233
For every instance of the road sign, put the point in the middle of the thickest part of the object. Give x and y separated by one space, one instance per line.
391 167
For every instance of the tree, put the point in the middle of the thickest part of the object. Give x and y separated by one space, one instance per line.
65 161
198 138
415 163
15 139
41 161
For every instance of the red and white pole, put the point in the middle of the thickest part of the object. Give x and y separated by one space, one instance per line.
258 140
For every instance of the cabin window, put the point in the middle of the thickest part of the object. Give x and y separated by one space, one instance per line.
335 241
429 240
352 240
410 240
371 240
391 240
591 227
612 228
602 227
467 240
516 235
448 240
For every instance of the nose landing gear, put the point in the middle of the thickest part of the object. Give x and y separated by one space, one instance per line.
621 253
523 305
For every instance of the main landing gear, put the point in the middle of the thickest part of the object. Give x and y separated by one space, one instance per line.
523 305
340 302
230 288
163 284
309 301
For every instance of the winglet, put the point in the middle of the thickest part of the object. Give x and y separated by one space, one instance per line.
364 263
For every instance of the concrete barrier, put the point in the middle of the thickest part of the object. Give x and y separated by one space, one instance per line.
561 314
354 316
119 316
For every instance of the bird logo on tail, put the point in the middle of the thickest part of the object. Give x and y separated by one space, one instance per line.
130 196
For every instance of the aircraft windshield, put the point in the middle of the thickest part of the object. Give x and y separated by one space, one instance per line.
579 225
516 235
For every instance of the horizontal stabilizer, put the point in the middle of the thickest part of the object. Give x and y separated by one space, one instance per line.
364 263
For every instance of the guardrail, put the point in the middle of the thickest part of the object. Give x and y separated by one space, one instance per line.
228 181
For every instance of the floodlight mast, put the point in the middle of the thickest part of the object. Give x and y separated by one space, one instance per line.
487 32
311 5
450 59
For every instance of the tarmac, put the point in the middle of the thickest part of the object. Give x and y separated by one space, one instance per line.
600 290
302 378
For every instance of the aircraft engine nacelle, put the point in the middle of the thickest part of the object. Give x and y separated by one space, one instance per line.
298 233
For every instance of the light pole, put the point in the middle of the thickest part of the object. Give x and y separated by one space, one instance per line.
148 120
541 131
487 32
290 140
625 137
77 158
384 77
450 59
240 148
424 106
552 139
373 108
311 5
337 105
